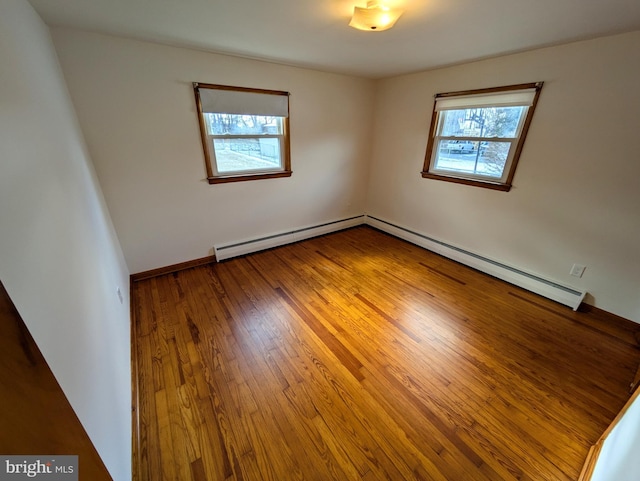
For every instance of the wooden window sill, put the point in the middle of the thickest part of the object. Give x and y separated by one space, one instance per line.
222 179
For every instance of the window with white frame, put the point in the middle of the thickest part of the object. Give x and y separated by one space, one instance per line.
476 136
245 132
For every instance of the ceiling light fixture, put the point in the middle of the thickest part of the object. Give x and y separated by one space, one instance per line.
376 17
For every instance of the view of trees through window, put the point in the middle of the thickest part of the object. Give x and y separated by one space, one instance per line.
245 142
477 141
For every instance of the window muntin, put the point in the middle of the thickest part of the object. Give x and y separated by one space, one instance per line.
245 132
476 136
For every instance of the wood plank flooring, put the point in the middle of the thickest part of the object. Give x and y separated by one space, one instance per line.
358 356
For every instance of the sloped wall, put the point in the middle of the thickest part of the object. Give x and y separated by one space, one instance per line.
60 259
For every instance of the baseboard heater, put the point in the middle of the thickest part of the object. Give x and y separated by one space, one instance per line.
228 251
546 288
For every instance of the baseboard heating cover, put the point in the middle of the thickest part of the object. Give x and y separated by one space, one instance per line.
227 251
546 288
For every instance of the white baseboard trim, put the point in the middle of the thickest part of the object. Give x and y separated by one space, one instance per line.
227 251
552 290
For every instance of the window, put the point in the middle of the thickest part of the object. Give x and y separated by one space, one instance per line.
245 132
476 136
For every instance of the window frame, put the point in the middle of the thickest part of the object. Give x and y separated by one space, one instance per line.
213 175
430 172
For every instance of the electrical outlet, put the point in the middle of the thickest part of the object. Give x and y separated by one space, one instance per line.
577 270
120 294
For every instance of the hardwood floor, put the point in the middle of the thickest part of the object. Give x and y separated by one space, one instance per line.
359 356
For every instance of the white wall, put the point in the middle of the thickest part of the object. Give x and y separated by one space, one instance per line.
576 194
59 258
136 106
575 197
618 459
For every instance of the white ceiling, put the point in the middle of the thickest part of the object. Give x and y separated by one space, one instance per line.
314 33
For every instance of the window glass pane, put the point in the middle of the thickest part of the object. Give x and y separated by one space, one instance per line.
233 124
459 146
481 122
487 159
237 155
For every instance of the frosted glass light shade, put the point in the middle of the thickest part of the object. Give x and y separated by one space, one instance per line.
375 17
